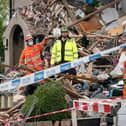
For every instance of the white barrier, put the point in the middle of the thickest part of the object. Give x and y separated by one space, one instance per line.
105 106
38 76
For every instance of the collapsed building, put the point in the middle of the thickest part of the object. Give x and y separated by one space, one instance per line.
39 17
102 28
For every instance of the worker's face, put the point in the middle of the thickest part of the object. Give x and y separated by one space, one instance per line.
30 42
64 34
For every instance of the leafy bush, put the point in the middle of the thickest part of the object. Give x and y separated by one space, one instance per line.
50 97
1 69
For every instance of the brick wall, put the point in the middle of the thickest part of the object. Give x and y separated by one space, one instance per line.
20 3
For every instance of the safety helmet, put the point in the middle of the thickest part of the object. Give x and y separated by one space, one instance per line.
64 29
27 37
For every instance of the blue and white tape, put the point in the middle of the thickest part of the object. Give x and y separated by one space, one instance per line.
38 76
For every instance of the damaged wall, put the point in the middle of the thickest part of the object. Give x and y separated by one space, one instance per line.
19 3
14 39
123 5
37 17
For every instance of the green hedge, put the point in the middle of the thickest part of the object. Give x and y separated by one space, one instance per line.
1 69
50 97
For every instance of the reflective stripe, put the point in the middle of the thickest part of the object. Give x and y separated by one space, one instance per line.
35 57
68 55
38 64
68 50
27 60
31 65
58 51
75 53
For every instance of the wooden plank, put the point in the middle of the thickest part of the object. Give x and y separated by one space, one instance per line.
82 52
74 117
15 107
90 68
70 13
73 93
91 25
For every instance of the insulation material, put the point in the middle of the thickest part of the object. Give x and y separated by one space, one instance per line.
116 31
119 68
110 14
121 20
112 26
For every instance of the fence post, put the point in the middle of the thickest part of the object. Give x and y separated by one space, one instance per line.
74 117
3 101
10 100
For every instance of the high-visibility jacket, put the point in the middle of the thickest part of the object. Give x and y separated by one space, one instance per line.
124 77
70 51
31 57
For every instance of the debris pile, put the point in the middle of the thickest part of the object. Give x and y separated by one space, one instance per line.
43 16
101 78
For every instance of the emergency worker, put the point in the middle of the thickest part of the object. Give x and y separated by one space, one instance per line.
64 50
123 40
31 55
124 78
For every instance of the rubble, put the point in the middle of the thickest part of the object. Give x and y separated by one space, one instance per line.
44 16
101 76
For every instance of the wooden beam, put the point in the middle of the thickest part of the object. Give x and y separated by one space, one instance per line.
68 10
80 36
99 36
72 93
70 13
51 2
78 77
15 107
103 66
82 52
93 13
24 67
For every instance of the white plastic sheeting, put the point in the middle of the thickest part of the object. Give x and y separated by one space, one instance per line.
122 115
119 67
109 15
